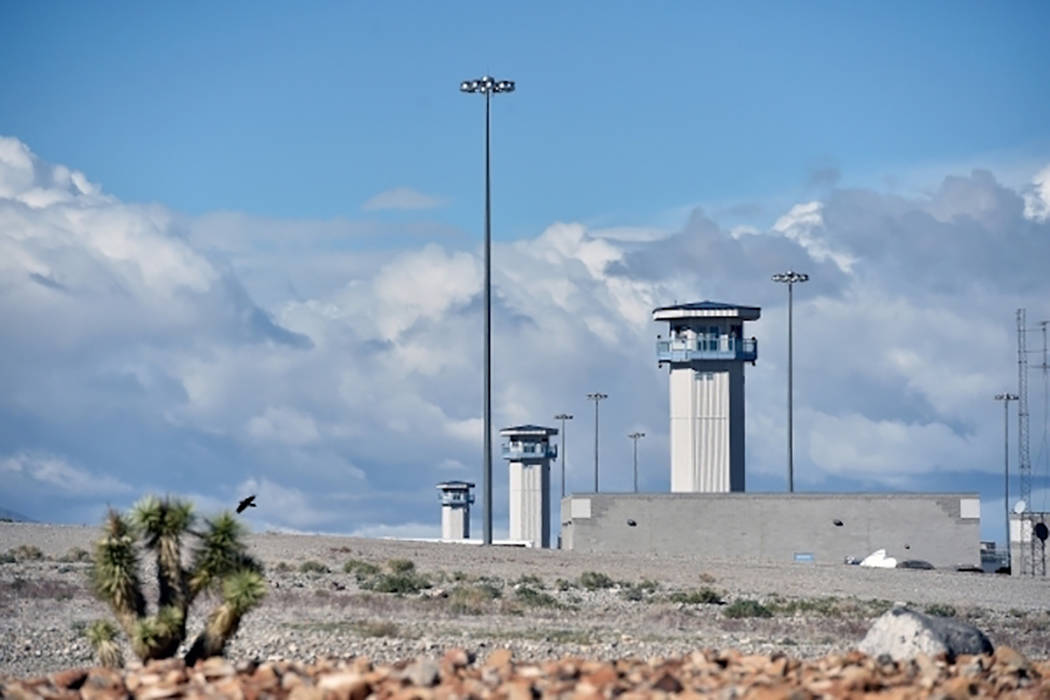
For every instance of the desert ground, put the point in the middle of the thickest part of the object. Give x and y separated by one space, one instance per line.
328 598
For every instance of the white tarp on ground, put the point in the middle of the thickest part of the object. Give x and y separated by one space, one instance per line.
879 560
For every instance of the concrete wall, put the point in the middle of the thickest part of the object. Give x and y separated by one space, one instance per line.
941 528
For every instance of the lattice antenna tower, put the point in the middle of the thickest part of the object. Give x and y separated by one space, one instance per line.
1024 461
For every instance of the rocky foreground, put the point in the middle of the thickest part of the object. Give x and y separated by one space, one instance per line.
725 674
525 621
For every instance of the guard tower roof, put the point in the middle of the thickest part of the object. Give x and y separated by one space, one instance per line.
528 430
707 309
455 484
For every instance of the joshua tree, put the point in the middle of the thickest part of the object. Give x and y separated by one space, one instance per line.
219 563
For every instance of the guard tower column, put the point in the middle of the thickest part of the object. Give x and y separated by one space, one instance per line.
455 509
529 452
705 350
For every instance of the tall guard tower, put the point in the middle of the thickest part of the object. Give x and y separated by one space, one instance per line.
455 509
529 452
705 350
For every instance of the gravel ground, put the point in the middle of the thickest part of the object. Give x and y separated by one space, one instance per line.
816 609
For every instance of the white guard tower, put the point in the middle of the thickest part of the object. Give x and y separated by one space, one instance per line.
529 452
455 509
706 351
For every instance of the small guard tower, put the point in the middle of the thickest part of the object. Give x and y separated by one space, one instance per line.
455 509
705 350
529 452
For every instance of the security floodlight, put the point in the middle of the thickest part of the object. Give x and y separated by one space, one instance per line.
487 85
790 278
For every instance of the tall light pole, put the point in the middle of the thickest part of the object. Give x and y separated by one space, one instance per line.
487 86
790 278
563 417
596 397
635 436
1006 398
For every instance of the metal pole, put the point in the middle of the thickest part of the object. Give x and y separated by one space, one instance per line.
636 465
791 431
487 85
596 445
1006 398
1006 474
634 436
596 397
563 417
487 535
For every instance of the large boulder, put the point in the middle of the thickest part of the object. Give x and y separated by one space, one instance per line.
904 634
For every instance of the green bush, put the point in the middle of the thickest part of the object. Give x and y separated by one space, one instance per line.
472 599
531 596
360 569
564 585
746 607
313 567
402 583
940 610
530 580
594 580
401 566
76 554
700 596
23 552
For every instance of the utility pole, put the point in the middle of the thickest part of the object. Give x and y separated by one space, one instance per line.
596 397
1006 398
635 436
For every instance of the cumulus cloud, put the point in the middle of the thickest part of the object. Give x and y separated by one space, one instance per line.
57 475
1037 199
137 350
401 198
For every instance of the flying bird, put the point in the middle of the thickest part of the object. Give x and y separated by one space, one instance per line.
246 503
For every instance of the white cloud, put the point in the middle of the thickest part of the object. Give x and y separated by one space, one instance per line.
1037 199
58 475
147 360
282 424
403 198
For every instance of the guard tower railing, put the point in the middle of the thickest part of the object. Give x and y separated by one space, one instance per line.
707 347
529 450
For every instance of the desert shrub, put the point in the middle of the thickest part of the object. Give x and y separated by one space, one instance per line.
283 567
530 596
745 607
24 552
564 585
593 580
706 577
219 564
472 599
940 610
360 569
313 567
530 580
7 557
459 576
76 554
639 591
410 582
401 566
699 596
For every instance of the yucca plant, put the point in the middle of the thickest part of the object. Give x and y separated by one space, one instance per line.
219 563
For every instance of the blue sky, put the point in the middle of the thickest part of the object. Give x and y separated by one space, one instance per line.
242 239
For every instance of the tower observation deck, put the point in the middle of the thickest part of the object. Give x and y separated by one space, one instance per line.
705 350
